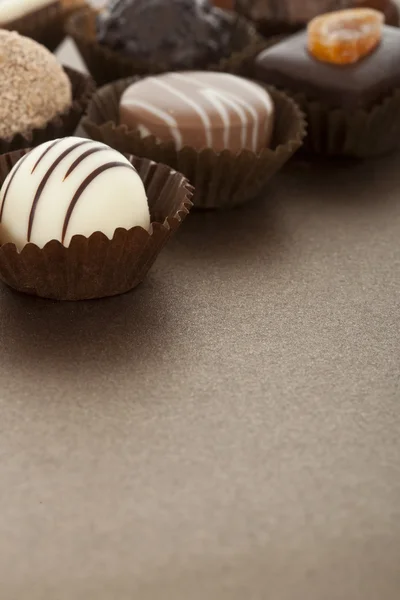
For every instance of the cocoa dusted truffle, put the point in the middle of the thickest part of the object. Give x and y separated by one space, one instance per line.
183 34
33 86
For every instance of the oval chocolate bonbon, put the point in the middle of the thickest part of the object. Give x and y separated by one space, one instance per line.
200 110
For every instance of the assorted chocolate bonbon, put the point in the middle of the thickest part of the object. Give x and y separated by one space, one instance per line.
33 86
71 186
184 33
300 65
226 133
200 110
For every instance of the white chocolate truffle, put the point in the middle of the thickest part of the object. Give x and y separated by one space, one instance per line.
68 187
11 10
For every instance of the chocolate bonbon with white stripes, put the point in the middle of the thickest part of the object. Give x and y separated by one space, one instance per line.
201 110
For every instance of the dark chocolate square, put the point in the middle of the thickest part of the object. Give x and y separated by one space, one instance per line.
361 85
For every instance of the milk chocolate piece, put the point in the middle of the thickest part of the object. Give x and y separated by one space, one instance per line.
200 110
289 65
182 34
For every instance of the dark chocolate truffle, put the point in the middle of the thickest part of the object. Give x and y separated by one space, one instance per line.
181 34
289 65
201 110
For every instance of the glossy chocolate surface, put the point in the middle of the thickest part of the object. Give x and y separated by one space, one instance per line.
290 65
181 34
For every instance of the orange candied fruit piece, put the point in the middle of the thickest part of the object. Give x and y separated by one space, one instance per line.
345 36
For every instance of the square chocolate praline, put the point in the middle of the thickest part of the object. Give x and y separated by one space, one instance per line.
290 65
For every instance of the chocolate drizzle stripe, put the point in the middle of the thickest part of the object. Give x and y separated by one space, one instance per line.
82 157
10 182
220 112
49 147
193 103
83 187
45 180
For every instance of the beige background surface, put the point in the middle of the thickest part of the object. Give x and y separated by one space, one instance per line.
228 431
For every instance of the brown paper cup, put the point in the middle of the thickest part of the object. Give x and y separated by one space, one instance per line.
221 180
97 267
357 133
243 63
46 25
63 124
107 65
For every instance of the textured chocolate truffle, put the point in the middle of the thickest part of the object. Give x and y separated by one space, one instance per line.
67 187
182 34
201 110
360 85
33 86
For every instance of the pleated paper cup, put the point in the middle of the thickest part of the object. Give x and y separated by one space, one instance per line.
108 65
62 125
352 133
97 267
243 63
46 25
221 180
